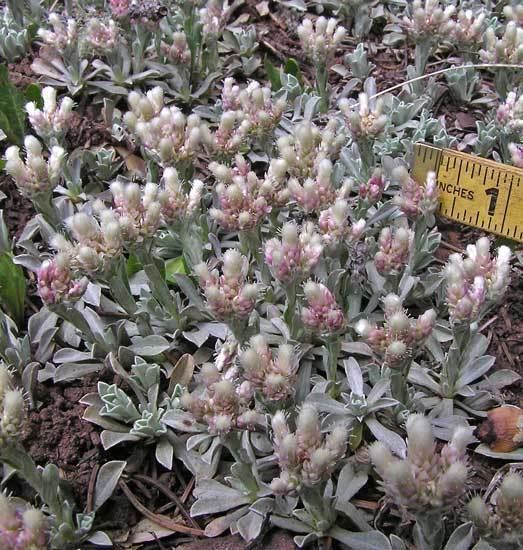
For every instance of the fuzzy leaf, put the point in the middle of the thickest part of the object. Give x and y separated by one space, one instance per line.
372 540
219 525
99 538
164 453
461 538
106 481
214 497
70 371
110 439
149 346
250 525
485 450
393 441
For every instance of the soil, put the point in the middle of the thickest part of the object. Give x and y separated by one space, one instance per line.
55 432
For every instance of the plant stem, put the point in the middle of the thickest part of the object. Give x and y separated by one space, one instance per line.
333 352
159 287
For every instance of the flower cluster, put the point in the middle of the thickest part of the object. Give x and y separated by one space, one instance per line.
214 16
469 27
137 211
475 280
416 200
502 523
367 120
63 35
52 120
510 113
514 13
321 39
175 204
177 50
429 19
218 404
250 112
305 456
308 145
323 313
296 254
165 132
318 193
12 408
56 283
272 377
243 200
372 189
36 174
396 340
334 224
95 243
228 295
425 480
21 528
507 49
100 36
119 8
394 248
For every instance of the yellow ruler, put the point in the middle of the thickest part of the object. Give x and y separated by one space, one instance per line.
474 191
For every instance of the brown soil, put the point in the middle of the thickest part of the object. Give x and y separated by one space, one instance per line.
56 433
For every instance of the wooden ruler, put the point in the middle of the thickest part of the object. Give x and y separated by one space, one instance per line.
474 191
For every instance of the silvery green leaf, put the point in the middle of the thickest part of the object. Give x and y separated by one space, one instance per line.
70 355
164 453
397 543
192 460
70 371
483 545
106 481
378 390
95 323
149 346
46 346
475 370
117 404
182 421
420 376
188 288
289 523
39 323
499 379
393 441
371 540
196 440
214 497
100 538
356 516
306 540
110 439
219 525
250 525
92 295
149 425
349 482
353 374
197 337
91 414
461 538
357 348
485 450
325 403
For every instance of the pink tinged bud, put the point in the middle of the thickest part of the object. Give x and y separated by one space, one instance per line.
452 483
398 478
380 457
420 439
279 426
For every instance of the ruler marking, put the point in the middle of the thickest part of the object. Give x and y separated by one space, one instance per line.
463 180
507 203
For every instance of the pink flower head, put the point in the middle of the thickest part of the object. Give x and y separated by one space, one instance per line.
55 282
323 313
